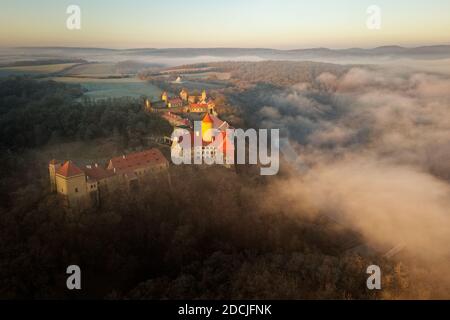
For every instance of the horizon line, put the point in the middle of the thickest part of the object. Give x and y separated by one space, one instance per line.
246 48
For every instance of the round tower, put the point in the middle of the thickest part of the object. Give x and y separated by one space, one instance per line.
207 128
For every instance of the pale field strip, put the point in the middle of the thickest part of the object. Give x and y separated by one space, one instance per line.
50 68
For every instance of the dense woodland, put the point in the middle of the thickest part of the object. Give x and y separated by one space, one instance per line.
168 242
32 112
278 73
194 233
37 113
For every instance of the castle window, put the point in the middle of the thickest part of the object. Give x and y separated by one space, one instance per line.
76 189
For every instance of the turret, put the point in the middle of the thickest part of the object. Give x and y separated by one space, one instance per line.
207 128
164 97
71 183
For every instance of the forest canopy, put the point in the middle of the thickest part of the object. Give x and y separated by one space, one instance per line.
32 112
189 234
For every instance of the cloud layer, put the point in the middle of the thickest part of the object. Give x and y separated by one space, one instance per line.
377 143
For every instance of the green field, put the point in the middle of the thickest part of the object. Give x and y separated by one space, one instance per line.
34 70
113 88
93 77
98 82
93 70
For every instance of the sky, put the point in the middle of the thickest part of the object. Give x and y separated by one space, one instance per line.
282 24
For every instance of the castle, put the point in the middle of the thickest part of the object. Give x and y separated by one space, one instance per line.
183 103
83 186
212 141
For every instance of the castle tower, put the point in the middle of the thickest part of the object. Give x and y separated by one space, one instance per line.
204 96
53 166
207 126
165 97
71 183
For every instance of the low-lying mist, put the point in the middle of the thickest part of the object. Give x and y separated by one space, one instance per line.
376 143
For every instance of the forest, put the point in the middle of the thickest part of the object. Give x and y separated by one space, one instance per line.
276 73
34 114
167 242
191 234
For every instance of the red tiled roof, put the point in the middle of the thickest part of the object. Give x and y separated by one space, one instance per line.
207 118
218 123
69 169
137 160
97 172
227 144
198 105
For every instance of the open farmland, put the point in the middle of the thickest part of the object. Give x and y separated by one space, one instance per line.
35 70
113 88
93 70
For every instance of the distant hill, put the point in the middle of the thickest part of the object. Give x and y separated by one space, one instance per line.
393 51
424 52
